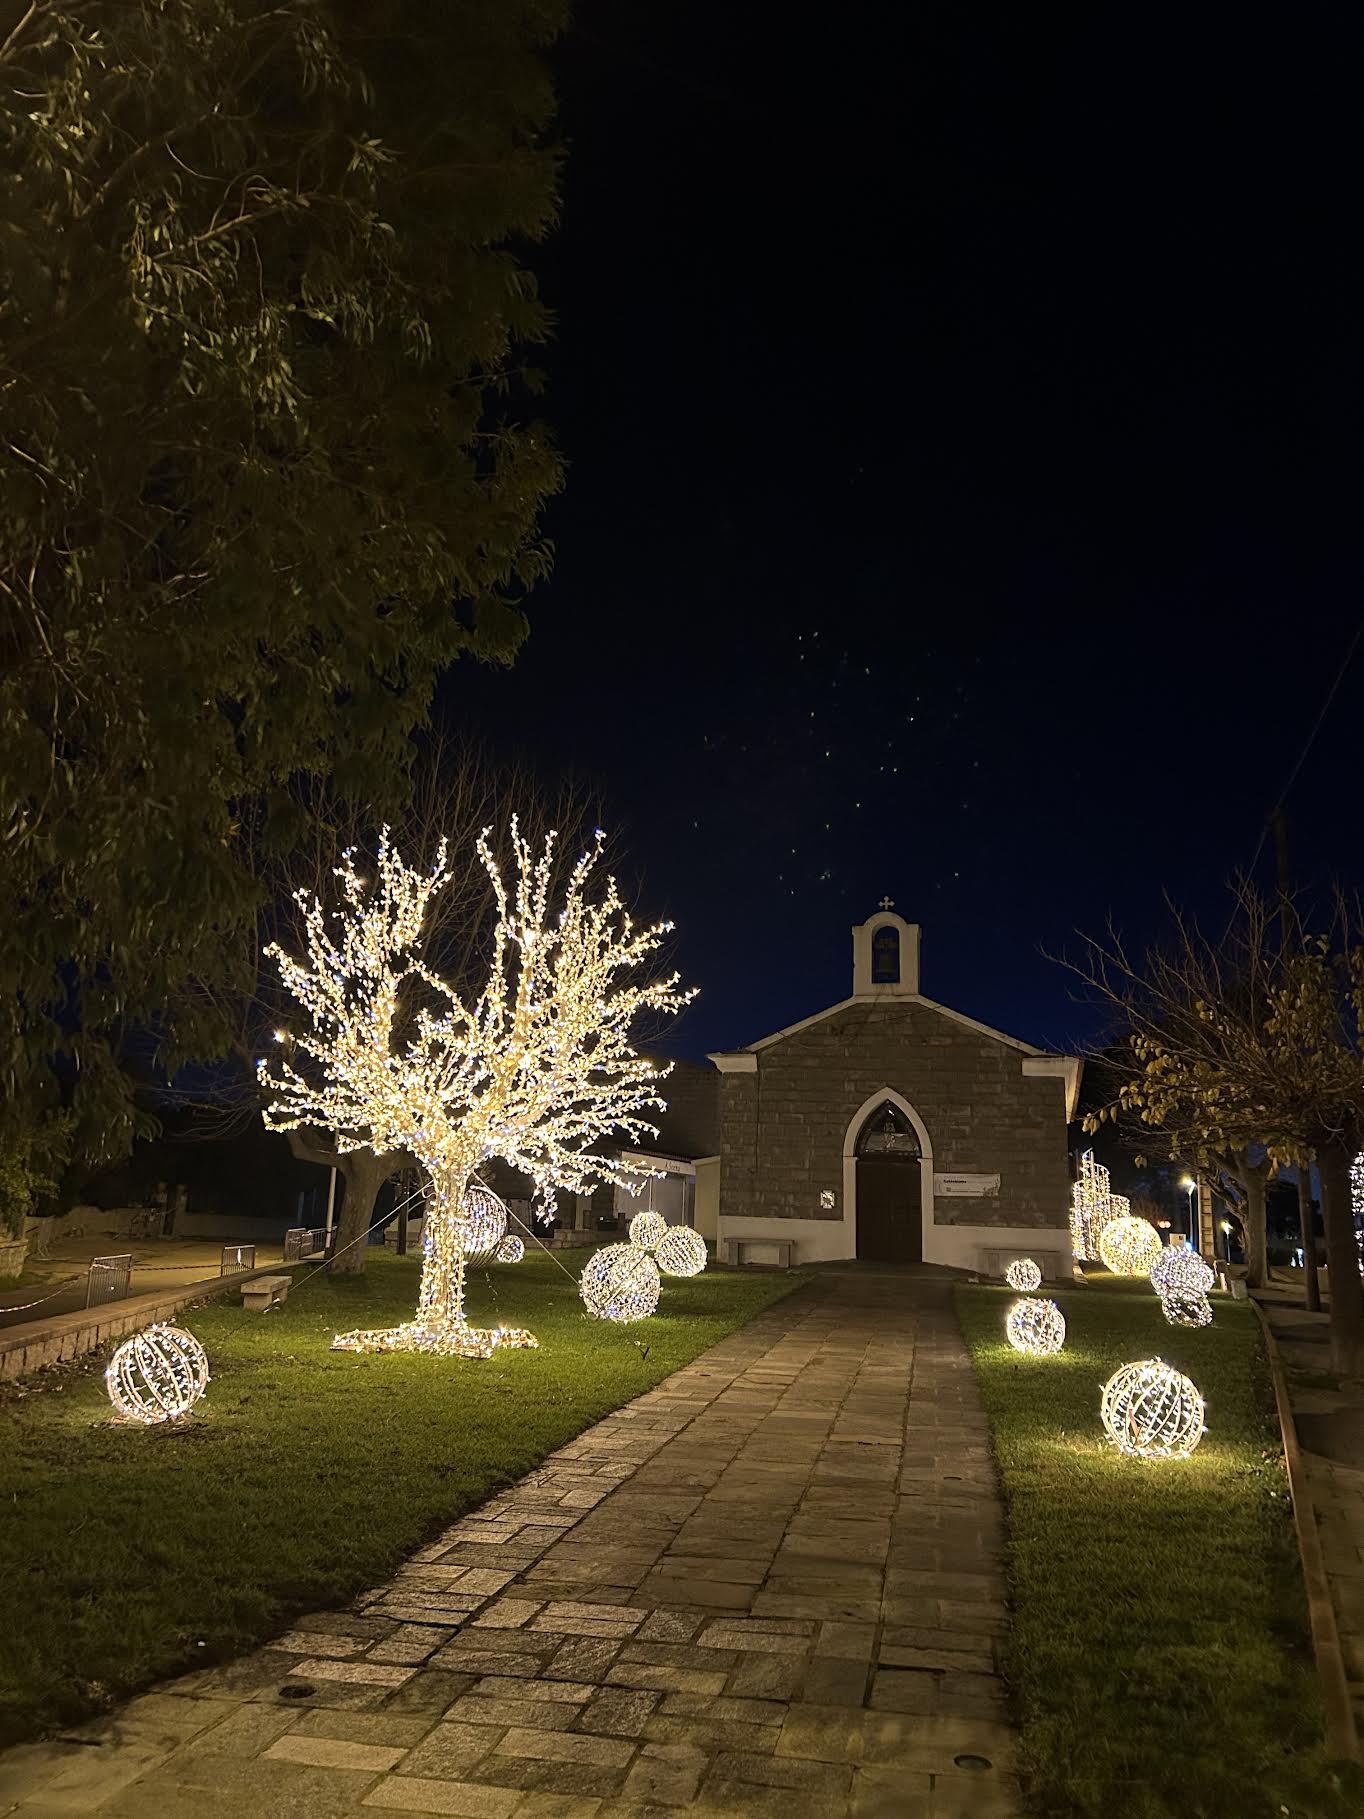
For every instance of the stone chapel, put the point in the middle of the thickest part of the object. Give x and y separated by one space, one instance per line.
891 1129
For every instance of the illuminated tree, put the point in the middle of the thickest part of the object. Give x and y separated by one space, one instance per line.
536 1070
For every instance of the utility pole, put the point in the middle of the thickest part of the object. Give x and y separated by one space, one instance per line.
1305 1222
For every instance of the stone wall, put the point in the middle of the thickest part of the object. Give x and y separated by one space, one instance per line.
783 1127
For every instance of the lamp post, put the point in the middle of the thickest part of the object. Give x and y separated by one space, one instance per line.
1190 1187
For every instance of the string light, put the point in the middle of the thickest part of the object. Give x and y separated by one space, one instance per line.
1023 1275
646 1229
157 1375
620 1283
1152 1411
1128 1246
1178 1270
1037 1328
1184 1307
681 1251
535 1071
511 1250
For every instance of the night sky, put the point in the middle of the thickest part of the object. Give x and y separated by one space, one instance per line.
963 487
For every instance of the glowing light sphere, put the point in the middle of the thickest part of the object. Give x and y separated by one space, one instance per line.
157 1375
1180 1271
511 1250
1024 1275
1037 1328
1128 1246
647 1229
681 1251
1181 1307
483 1221
620 1283
1152 1411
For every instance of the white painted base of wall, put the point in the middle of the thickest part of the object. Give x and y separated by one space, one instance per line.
957 1246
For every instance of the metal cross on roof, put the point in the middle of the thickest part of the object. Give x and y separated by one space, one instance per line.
887 903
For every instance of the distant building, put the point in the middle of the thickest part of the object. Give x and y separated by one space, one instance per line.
892 1129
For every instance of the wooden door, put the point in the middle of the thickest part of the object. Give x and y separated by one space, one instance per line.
889 1222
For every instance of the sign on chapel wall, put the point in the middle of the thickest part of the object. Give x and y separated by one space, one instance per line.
965 1187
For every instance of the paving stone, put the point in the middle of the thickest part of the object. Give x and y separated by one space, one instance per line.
646 1674
616 1712
335 1752
668 1773
431 1690
543 1805
734 1772
761 1676
671 1625
830 1680
246 1731
357 1727
452 1748
466 1799
584 1658
507 1613
557 1746
408 1646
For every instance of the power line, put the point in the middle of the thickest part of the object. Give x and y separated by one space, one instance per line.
1311 740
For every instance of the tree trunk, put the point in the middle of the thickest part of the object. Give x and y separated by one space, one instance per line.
364 1174
1253 1227
1342 1259
1307 1229
440 1300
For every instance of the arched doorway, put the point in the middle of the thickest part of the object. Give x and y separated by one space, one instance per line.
889 1197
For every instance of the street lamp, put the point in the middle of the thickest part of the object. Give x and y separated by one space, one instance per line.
1190 1187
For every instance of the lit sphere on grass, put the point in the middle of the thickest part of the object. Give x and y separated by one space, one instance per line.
1128 1246
1181 1308
483 1222
620 1283
1152 1411
1036 1328
1181 1272
681 1251
157 1375
1023 1275
511 1250
647 1230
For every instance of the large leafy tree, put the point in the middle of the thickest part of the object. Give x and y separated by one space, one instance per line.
266 457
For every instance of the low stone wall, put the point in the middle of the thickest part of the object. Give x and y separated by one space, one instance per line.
64 1336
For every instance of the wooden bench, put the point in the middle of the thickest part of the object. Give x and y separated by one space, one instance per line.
263 1292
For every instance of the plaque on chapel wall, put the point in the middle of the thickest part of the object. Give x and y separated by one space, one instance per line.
972 1187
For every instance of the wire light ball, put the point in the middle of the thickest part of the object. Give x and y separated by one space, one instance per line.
620 1283
511 1250
681 1251
1151 1411
1180 1271
1023 1275
1036 1328
1182 1308
1128 1247
484 1222
157 1375
647 1230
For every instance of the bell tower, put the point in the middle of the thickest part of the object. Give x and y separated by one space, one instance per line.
885 955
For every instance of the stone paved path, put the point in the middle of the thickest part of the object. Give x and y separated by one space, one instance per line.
769 1587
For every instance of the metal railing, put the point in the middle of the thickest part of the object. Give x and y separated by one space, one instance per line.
300 1241
108 1279
237 1257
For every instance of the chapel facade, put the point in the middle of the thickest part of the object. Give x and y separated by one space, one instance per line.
891 1129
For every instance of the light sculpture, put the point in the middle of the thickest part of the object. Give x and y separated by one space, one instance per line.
537 1070
681 1251
483 1221
1023 1275
1128 1246
620 1283
1037 1328
1152 1411
157 1375
511 1250
1092 1207
1180 1270
1186 1307
646 1229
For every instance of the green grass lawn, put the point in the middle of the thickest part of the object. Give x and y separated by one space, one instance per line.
132 1553
1159 1648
